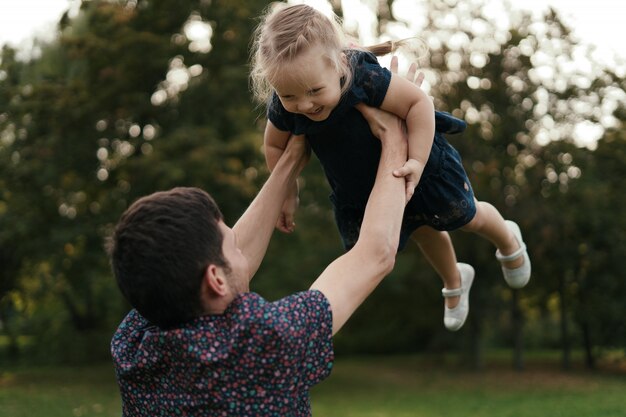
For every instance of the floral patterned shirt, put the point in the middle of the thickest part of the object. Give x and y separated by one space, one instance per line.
258 358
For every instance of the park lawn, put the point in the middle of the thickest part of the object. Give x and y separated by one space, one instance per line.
415 387
59 392
371 386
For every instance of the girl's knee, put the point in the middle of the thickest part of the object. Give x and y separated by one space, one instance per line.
474 224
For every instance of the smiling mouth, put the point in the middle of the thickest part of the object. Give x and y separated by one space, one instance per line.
316 112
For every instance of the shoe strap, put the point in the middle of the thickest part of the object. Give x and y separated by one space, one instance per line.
513 256
451 293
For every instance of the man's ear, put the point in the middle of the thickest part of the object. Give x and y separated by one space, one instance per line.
215 281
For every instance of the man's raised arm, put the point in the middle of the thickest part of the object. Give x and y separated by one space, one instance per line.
351 278
254 229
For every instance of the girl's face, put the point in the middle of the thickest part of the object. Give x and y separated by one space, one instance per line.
309 85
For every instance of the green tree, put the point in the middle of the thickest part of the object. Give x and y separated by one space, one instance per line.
521 89
84 134
136 96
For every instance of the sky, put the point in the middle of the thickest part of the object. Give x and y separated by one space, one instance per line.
600 22
20 19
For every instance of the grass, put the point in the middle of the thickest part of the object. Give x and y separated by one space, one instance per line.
415 386
59 392
412 386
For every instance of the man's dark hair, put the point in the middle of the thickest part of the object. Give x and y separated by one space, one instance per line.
160 249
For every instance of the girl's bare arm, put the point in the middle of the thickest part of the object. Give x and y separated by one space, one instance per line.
409 102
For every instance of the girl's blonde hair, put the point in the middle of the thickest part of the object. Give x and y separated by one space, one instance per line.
287 31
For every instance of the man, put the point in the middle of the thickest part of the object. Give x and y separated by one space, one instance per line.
198 343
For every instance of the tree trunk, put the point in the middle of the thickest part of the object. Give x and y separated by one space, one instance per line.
565 338
590 360
477 357
518 332
13 347
82 321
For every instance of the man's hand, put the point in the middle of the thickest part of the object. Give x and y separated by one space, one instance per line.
381 121
410 74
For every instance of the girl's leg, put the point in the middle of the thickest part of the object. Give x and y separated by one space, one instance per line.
439 252
488 223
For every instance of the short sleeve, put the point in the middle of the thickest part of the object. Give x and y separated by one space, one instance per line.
277 114
298 328
306 327
371 81
288 122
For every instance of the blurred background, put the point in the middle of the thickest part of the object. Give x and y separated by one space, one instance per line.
122 98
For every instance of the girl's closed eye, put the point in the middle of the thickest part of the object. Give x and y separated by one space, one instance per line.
314 91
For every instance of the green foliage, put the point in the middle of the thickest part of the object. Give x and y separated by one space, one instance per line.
129 99
82 138
521 155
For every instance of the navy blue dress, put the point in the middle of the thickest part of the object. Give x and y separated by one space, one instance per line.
349 154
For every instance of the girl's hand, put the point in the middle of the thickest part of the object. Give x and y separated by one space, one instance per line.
412 169
412 172
286 223
297 147
381 121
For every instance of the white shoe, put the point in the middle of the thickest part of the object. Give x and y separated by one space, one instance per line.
516 277
454 318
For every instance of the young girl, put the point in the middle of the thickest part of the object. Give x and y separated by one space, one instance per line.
311 80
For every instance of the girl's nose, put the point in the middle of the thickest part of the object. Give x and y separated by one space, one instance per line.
305 105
